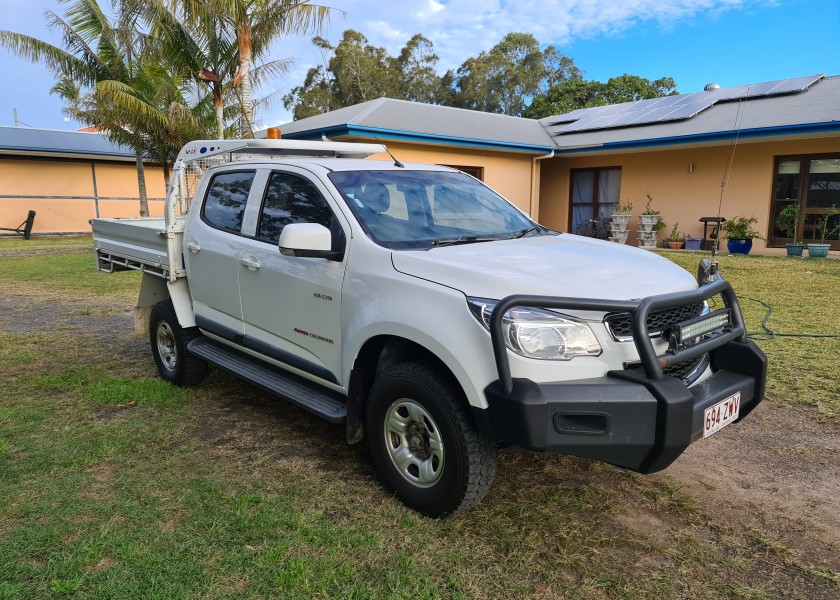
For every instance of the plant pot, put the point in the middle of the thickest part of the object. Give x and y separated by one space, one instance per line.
620 222
693 243
646 243
795 249
818 250
647 235
676 245
649 219
739 245
619 236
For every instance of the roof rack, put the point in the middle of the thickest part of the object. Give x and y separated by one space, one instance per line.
201 149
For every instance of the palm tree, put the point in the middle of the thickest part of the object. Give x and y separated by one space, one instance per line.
255 25
201 49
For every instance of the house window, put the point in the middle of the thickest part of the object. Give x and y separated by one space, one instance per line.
477 172
813 183
594 194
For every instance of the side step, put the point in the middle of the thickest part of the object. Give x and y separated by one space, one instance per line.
296 390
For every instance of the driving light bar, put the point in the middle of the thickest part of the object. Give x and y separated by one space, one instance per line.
688 331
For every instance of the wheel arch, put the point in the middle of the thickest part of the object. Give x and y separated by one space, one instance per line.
376 355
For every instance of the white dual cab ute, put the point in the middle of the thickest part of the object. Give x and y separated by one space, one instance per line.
420 309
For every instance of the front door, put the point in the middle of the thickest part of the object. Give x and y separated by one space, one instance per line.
292 306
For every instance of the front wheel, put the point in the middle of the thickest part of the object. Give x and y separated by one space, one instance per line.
169 347
424 443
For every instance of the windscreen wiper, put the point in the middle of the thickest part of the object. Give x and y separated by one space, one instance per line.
464 239
524 232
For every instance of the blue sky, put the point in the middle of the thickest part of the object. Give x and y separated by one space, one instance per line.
730 42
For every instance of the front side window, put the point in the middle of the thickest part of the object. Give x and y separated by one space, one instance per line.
291 199
423 209
227 194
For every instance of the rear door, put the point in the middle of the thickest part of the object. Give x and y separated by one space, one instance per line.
291 306
211 240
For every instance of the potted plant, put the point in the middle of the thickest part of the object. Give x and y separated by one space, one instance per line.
650 223
821 250
619 221
676 240
788 220
740 234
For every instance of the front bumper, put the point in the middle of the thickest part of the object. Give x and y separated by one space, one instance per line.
636 418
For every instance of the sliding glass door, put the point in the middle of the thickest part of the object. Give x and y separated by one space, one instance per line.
813 183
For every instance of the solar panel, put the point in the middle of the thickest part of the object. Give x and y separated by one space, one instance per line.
797 84
673 108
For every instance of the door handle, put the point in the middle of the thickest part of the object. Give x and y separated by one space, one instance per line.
193 246
250 263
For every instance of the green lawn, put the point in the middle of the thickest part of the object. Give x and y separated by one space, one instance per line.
802 294
115 485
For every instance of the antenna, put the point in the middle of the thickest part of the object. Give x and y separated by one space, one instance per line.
396 162
713 265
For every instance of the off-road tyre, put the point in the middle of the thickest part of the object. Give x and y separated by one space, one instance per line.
426 404
169 347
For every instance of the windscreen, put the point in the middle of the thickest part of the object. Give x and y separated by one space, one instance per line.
425 209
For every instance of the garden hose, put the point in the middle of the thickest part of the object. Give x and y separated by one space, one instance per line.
769 334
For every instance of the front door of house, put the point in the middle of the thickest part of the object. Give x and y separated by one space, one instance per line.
812 183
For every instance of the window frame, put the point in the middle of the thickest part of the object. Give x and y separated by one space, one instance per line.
472 171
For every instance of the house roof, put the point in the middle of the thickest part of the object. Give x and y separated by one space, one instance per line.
416 122
803 106
65 144
815 109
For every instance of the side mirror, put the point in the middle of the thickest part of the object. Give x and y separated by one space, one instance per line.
307 240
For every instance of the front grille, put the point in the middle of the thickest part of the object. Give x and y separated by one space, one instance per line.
688 371
685 370
619 324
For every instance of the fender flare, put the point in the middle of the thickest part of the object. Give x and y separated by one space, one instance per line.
153 289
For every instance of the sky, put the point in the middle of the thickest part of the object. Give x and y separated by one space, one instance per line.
729 42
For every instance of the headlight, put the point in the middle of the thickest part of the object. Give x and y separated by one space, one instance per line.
538 333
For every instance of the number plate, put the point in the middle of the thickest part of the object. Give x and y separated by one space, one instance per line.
721 414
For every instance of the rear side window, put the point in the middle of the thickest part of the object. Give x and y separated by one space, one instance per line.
227 195
291 199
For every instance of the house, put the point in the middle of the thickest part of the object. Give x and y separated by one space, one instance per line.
746 150
68 178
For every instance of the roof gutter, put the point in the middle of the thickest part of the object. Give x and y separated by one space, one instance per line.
414 136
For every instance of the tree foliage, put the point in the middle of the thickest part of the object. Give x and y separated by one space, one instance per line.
355 71
572 94
505 78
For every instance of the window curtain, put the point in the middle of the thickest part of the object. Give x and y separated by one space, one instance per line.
609 187
583 193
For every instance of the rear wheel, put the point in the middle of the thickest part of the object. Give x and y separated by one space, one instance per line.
423 441
169 347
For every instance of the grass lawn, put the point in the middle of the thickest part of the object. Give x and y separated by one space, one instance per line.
116 485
